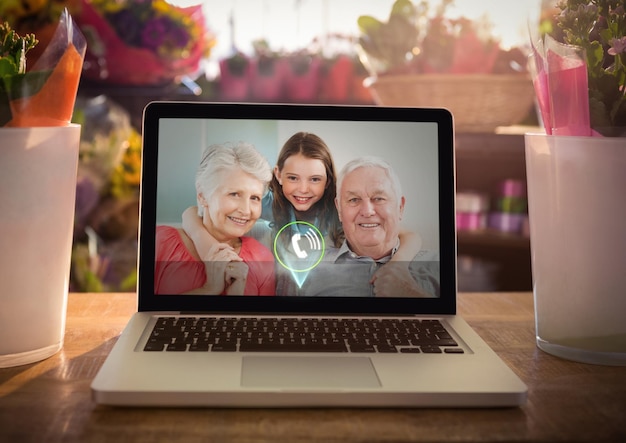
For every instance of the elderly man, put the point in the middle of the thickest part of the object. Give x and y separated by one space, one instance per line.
370 205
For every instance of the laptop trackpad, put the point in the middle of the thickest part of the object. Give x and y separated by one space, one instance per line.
308 372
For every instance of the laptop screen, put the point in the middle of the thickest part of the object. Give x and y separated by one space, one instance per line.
297 208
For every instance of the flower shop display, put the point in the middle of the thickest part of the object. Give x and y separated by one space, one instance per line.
323 72
107 198
38 161
142 42
420 57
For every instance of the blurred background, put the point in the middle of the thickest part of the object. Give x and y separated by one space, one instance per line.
466 55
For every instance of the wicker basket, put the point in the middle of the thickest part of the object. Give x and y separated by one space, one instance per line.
478 102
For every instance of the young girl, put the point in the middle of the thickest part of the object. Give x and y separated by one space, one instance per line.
303 188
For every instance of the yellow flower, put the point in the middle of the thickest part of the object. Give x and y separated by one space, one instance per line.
127 175
109 6
35 12
21 8
162 6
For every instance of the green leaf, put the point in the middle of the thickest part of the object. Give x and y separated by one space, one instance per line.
18 86
7 67
25 85
618 113
5 109
598 114
403 8
595 56
606 88
369 25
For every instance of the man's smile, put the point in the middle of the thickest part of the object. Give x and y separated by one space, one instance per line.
369 225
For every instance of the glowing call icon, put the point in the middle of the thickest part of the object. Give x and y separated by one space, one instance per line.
314 243
299 247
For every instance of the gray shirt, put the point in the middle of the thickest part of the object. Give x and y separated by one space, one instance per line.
343 273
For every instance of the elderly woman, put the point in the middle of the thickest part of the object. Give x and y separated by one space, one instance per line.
230 183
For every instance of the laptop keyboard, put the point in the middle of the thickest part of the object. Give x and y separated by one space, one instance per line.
213 334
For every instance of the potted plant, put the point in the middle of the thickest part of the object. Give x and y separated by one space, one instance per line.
235 77
421 57
303 76
267 73
336 69
575 176
38 161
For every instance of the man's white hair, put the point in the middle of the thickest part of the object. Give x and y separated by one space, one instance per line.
370 162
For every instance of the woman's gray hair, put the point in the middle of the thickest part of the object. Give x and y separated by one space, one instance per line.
370 162
220 159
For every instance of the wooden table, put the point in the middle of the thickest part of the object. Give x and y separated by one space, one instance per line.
567 401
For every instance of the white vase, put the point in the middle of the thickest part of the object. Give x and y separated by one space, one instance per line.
37 195
578 245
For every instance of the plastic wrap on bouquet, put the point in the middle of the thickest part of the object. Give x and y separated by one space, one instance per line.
45 95
560 79
113 60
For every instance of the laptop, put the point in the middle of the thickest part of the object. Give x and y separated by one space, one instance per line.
379 344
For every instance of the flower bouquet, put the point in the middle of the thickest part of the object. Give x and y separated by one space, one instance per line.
579 69
38 162
45 94
142 42
575 176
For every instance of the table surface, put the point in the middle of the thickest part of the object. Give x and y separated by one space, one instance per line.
567 401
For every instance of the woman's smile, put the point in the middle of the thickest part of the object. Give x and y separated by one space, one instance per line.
369 225
239 221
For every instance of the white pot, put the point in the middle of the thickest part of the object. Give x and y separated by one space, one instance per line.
578 245
37 195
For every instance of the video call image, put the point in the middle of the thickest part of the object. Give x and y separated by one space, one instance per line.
297 208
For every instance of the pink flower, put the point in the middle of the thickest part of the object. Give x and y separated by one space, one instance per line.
154 32
618 46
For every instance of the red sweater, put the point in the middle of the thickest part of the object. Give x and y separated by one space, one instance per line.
177 271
